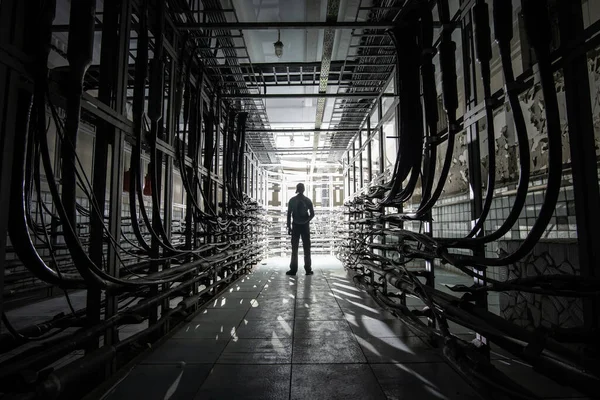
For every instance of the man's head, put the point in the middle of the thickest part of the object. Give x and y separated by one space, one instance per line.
300 188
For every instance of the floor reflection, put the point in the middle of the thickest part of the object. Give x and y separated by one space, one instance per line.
276 336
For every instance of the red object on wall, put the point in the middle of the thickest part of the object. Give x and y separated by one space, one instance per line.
147 186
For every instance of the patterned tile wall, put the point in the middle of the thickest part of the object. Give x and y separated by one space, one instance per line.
452 217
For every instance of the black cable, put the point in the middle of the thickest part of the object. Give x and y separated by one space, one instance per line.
483 49
539 33
17 228
48 241
504 34
447 50
139 89
20 337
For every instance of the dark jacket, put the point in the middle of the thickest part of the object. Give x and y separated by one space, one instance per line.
293 207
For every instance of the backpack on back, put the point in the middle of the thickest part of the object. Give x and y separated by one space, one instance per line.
301 209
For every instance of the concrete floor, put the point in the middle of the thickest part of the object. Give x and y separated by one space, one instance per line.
272 336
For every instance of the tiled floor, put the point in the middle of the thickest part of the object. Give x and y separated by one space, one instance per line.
277 337
272 336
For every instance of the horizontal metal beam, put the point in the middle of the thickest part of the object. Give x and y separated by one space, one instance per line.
365 95
305 150
335 65
284 25
299 130
372 46
260 86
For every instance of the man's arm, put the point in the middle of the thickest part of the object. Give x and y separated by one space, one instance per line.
311 211
289 215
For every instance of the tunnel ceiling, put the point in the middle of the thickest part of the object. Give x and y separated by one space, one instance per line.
241 60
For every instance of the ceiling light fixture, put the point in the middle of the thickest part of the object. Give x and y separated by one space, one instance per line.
278 45
292 141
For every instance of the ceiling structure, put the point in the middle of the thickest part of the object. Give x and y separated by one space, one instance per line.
306 106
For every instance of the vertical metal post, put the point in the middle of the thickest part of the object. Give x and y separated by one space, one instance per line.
583 155
246 168
369 155
252 181
266 189
472 132
105 133
229 125
217 133
218 152
348 173
360 161
169 135
354 167
381 139
255 180
397 117
12 14
116 178
192 148
158 167
199 157
114 226
331 205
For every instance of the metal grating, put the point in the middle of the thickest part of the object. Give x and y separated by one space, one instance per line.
373 57
227 61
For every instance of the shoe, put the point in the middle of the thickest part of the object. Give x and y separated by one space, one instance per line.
290 273
310 273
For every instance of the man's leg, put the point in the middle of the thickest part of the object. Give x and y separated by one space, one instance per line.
295 243
306 247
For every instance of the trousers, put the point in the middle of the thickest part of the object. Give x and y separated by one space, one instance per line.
304 232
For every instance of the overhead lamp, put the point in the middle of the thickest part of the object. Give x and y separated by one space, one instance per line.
291 140
278 45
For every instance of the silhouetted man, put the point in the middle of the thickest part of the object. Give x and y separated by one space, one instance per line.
301 208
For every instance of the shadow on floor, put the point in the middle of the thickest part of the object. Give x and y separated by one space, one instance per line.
272 336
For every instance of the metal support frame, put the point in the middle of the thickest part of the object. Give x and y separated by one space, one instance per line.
354 95
360 162
353 168
369 152
381 140
261 26
347 169
12 14
572 57
299 130
108 111
584 163
108 114
169 135
474 158
113 89
218 151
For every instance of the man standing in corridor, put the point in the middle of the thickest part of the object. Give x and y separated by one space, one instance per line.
301 208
